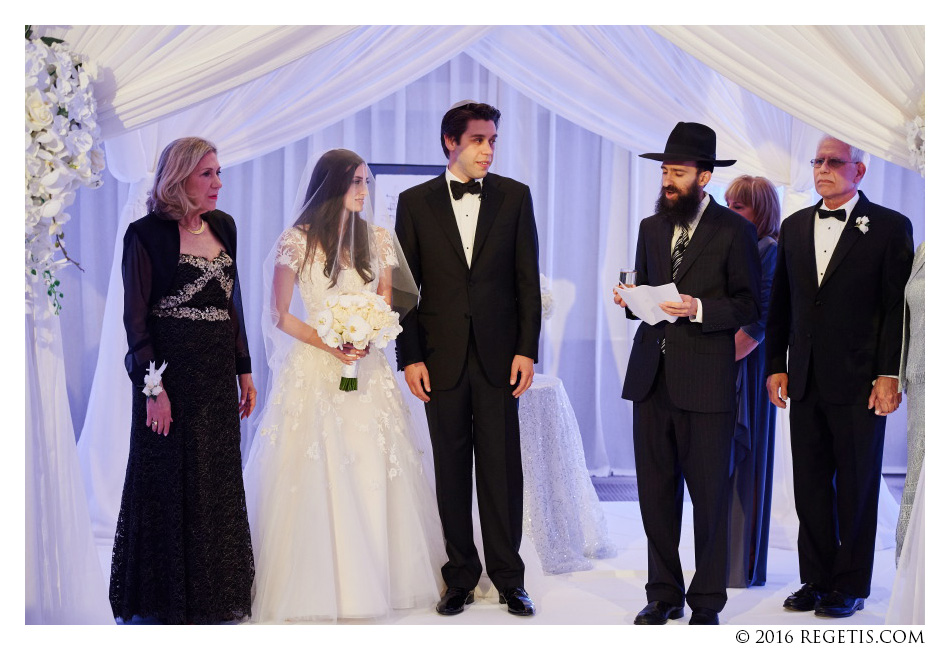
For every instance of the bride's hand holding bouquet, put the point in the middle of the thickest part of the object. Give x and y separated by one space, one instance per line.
357 320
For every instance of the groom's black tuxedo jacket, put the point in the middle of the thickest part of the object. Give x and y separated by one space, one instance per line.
849 327
721 267
498 299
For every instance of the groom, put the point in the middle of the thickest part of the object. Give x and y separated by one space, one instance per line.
468 350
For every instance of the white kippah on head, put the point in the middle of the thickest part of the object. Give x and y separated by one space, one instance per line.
462 103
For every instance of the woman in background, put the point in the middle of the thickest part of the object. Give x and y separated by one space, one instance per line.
912 381
182 550
907 602
755 199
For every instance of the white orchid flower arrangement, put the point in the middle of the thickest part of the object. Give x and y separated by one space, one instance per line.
359 319
861 223
916 142
547 298
63 152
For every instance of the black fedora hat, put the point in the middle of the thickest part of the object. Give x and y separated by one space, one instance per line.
691 141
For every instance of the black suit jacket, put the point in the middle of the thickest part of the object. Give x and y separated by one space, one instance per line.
498 298
721 267
150 252
850 326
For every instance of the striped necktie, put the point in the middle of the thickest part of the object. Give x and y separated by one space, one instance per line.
679 249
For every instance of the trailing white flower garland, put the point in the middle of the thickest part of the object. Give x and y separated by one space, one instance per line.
63 151
916 142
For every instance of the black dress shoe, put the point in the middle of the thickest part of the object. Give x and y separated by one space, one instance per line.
657 613
519 603
805 599
704 616
455 600
838 605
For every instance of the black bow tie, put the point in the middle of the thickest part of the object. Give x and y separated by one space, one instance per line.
839 214
459 189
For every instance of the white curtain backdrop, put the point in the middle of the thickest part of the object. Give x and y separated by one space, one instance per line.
578 105
623 83
859 83
152 71
64 582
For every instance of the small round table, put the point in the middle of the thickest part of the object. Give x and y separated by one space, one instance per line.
562 514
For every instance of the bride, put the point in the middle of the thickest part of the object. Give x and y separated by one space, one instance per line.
343 521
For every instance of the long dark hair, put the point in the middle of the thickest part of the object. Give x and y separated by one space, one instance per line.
320 219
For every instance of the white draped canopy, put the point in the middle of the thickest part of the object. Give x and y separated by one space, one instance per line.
578 104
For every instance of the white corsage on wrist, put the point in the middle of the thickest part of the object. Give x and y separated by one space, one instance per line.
153 380
861 223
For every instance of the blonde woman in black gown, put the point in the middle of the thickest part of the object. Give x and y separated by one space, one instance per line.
182 550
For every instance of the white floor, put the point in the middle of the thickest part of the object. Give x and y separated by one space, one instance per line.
613 592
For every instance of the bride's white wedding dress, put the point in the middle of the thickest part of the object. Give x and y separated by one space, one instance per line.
343 520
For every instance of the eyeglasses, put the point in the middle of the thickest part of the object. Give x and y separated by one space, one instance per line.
834 163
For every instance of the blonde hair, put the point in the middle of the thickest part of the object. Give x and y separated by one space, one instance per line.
176 163
759 194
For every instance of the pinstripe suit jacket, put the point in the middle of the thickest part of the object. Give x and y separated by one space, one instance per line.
720 267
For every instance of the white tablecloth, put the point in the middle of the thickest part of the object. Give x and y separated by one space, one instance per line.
562 514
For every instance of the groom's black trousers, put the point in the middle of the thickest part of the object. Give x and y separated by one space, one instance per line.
478 418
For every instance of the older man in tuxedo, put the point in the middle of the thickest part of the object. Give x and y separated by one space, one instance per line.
833 346
469 349
681 376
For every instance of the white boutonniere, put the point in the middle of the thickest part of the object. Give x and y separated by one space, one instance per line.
153 380
861 223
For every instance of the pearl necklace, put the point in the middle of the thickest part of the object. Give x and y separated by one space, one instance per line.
200 229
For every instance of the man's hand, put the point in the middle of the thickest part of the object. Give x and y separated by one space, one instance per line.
686 308
417 377
778 388
617 299
885 397
525 367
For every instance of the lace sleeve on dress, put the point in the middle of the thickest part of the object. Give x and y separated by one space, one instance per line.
290 249
385 248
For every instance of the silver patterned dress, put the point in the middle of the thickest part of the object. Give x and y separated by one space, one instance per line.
912 380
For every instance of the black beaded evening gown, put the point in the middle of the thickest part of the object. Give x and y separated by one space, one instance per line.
182 550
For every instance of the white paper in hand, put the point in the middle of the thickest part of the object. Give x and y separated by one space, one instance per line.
644 301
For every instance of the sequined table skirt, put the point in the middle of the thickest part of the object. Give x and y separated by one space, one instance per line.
562 514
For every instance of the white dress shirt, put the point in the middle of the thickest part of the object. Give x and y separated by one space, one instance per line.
690 229
466 214
827 233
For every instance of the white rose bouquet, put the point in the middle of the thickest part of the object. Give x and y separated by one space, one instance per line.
358 319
